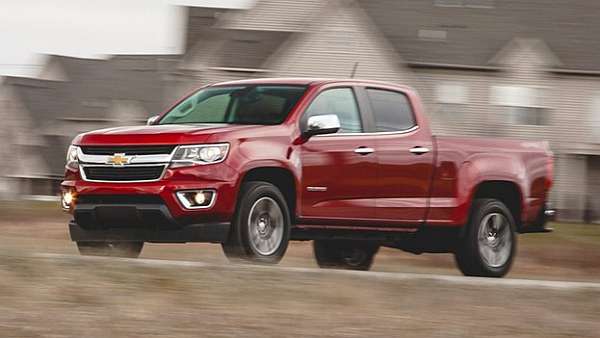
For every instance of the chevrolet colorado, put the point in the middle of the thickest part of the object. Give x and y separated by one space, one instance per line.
349 164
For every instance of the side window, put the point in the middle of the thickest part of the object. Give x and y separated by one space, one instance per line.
339 101
391 110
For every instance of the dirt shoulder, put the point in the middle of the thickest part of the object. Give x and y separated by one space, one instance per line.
572 252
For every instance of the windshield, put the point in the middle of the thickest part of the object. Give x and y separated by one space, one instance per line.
258 104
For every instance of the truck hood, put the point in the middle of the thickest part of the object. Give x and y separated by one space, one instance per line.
160 134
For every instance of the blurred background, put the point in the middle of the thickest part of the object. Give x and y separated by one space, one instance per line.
528 70
493 68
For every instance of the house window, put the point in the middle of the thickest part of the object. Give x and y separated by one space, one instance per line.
95 103
523 105
448 3
595 118
450 98
465 3
428 34
479 3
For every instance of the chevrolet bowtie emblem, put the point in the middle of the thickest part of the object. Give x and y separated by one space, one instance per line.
118 160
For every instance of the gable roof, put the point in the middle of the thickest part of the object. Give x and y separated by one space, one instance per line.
45 101
93 83
544 58
200 22
469 33
425 33
42 98
141 78
91 87
249 48
274 15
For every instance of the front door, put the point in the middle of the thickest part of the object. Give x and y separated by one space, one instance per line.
338 170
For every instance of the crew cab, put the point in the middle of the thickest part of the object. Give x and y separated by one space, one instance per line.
350 164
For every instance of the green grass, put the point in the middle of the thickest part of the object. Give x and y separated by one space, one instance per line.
588 234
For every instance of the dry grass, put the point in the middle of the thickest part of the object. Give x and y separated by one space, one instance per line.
113 298
90 298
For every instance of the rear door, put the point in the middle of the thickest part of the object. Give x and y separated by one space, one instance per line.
338 170
405 158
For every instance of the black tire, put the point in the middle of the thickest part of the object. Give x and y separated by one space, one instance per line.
262 215
112 249
345 254
487 249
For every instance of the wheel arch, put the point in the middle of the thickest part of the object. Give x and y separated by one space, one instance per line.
507 192
280 177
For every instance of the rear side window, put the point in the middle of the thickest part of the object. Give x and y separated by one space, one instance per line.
392 110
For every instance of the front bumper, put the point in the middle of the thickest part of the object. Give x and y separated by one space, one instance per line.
151 211
147 222
208 232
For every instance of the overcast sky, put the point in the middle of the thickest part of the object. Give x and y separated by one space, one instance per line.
91 28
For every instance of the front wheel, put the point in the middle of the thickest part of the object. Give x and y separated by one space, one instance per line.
345 254
261 227
488 246
112 249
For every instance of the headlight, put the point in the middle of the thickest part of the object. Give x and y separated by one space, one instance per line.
199 154
72 158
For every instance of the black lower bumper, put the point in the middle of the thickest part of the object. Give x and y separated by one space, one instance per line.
140 219
546 214
207 232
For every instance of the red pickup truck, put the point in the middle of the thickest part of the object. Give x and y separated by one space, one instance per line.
349 164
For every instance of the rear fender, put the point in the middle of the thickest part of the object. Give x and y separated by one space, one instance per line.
484 168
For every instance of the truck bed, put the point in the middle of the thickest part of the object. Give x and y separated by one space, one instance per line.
462 163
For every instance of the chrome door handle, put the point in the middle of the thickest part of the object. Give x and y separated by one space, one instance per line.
364 150
419 150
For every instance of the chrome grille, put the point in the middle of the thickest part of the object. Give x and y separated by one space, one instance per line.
129 150
127 163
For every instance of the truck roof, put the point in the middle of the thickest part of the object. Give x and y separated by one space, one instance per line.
303 81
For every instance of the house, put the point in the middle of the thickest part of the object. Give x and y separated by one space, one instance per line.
30 143
528 70
484 68
73 95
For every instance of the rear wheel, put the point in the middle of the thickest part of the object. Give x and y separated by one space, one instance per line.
261 226
488 246
112 249
345 254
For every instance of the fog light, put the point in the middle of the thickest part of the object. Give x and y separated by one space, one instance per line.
199 198
67 199
196 199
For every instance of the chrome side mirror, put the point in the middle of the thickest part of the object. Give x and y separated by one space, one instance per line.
322 124
152 119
